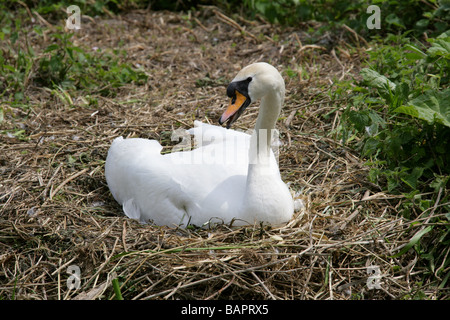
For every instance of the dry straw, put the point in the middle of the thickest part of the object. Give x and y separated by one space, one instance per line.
56 210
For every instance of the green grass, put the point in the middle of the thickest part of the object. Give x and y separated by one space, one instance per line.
117 291
398 119
61 66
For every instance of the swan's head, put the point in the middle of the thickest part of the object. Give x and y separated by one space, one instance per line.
251 83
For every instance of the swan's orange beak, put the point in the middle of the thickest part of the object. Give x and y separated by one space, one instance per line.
234 108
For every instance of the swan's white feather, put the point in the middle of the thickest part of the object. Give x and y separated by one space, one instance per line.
176 188
210 183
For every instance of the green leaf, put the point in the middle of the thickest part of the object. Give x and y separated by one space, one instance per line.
394 20
432 106
359 119
413 177
376 80
418 54
413 241
371 146
440 46
51 47
439 182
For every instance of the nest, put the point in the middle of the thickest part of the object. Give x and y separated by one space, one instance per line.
57 212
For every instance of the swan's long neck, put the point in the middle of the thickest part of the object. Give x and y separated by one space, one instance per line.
263 174
261 140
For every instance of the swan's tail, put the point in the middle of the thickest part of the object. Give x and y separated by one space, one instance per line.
124 157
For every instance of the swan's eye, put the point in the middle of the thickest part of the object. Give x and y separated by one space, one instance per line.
240 86
233 100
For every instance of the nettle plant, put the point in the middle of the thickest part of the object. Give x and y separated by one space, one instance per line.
70 66
401 115
61 65
399 119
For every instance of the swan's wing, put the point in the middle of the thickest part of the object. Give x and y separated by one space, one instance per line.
206 134
180 187
121 161
122 146
143 182
220 146
167 191
131 209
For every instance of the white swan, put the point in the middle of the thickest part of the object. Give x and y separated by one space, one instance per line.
230 177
